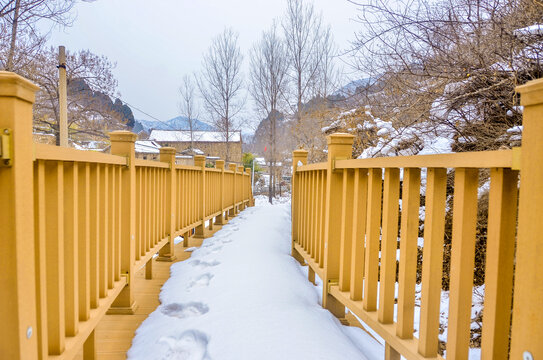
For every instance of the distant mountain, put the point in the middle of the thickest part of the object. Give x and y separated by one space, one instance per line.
355 86
177 123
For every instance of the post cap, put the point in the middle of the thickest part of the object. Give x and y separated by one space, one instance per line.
13 85
122 136
300 153
531 93
232 166
219 164
247 170
240 168
168 150
340 139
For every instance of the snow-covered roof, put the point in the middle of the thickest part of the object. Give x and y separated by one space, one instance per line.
198 136
147 146
536 29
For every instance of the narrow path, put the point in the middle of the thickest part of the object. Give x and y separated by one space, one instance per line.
242 296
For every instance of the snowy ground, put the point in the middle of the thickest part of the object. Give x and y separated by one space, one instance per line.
242 296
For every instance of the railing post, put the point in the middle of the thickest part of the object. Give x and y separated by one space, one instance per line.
232 167
122 144
527 330
219 220
340 147
200 231
249 188
299 157
241 170
167 155
18 333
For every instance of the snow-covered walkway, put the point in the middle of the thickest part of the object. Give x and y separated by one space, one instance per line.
242 296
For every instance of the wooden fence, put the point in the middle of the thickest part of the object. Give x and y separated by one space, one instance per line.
76 225
347 227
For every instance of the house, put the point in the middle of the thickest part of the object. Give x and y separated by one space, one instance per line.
208 143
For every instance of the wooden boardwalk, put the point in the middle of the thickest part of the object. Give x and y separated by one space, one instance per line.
114 333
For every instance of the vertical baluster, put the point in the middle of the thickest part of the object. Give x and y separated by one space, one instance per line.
407 275
119 215
318 216
462 262
40 258
83 213
323 217
94 233
54 239
389 246
111 227
500 256
373 232
346 237
71 281
104 231
139 213
360 199
432 260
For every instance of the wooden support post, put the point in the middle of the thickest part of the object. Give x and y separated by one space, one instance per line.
18 333
527 330
299 157
167 154
62 97
149 269
232 212
122 143
241 170
201 231
220 220
249 188
340 147
89 347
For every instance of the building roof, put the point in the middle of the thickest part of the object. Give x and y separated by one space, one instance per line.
147 146
198 136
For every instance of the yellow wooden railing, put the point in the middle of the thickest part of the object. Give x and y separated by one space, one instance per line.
346 227
76 225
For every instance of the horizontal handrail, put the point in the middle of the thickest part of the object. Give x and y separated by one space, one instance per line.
479 159
151 163
51 152
312 167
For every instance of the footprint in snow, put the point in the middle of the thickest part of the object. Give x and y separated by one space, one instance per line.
226 240
204 264
186 310
191 345
214 250
201 281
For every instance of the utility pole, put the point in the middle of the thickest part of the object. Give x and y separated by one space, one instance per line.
62 97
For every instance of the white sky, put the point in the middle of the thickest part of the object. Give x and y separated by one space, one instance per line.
155 42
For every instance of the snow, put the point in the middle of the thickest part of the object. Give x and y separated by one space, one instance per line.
147 146
536 29
198 136
242 296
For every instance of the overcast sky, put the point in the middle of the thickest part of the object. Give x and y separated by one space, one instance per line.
155 42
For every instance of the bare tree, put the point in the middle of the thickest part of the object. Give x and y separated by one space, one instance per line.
19 18
308 41
91 112
221 83
187 105
453 64
269 66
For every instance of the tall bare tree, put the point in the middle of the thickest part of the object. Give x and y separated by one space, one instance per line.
269 67
308 43
187 105
19 37
221 84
